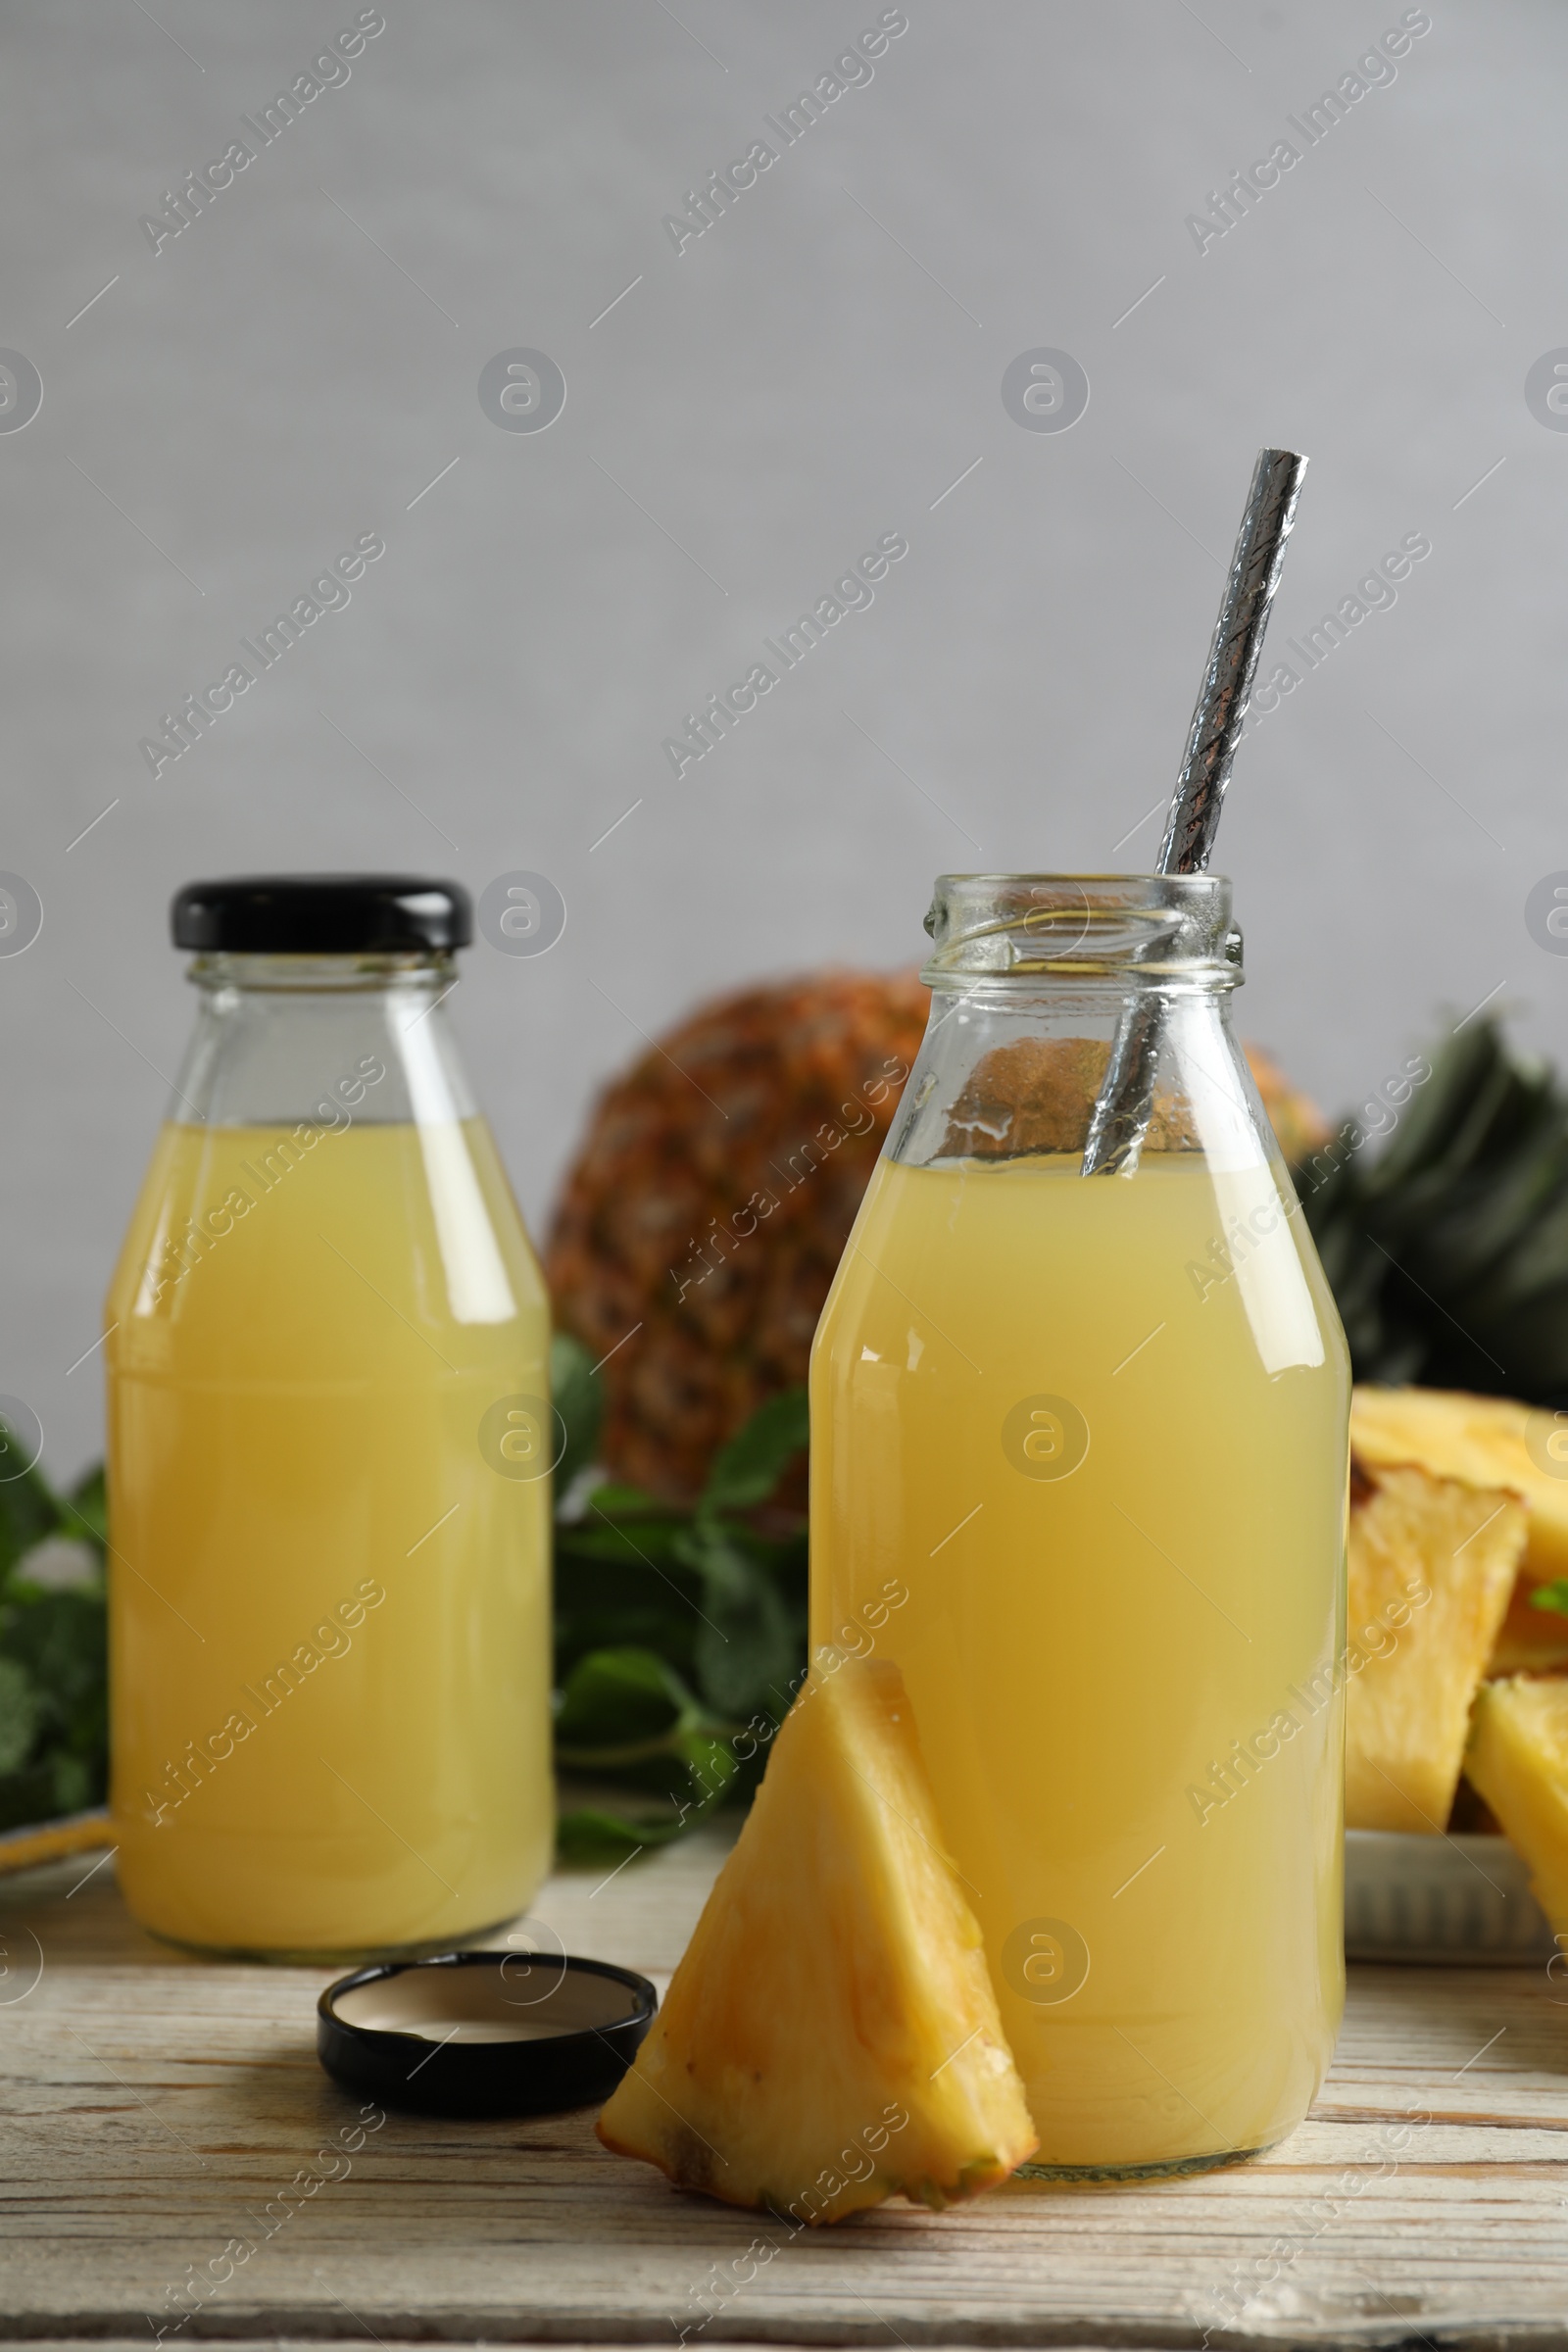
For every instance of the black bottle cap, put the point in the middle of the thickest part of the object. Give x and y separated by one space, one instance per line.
322 914
485 2032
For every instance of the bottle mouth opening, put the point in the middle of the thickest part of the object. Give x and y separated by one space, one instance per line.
218 969
1170 929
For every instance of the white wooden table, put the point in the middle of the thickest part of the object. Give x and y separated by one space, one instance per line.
150 2105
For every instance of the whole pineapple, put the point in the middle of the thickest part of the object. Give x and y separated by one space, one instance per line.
710 1202
702 1220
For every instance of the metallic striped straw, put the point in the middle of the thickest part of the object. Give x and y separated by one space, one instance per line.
1121 1113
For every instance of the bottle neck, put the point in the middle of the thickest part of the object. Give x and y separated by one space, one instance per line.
1119 934
1004 1074
325 1040
1034 978
305 975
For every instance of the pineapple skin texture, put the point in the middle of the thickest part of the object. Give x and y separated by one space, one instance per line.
709 1203
831 2037
1482 1440
1432 1565
1518 1760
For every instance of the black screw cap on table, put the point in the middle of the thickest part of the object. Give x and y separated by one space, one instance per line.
544 2032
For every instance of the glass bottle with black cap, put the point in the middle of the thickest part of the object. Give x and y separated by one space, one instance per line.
329 1446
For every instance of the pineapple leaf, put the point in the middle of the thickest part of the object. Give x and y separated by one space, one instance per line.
1447 1252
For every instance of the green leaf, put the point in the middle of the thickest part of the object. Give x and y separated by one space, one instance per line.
712 1768
746 1471
21 1710
617 1698
586 1834
578 1636
26 1797
748 1642
691 1778
1551 1596
59 1641
76 1785
29 1510
611 1501
1447 1246
86 1510
618 1585
597 1538
54 1707
578 1399
605 1589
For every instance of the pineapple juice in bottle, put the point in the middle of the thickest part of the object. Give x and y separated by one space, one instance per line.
1097 1427
329 1564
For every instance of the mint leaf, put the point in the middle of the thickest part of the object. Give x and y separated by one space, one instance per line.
619 1698
85 1514
578 1399
598 1537
26 1797
29 1510
587 1834
747 1643
76 1785
61 1639
692 1776
612 1500
746 1471
22 1709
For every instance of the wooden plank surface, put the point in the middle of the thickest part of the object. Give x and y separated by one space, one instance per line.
150 2106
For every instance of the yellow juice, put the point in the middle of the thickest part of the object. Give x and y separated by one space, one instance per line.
330 1610
1110 1477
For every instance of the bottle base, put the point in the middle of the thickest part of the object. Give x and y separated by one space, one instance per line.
352 1956
1169 2170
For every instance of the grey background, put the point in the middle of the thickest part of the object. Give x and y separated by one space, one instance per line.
754 413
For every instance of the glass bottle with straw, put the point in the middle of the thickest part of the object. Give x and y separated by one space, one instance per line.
1099 1429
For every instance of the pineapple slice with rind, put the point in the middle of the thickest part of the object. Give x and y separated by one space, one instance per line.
831 2037
1432 1566
1485 1441
1518 1760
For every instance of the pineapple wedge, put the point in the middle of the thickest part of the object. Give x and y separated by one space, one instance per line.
1485 1441
1518 1760
1431 1567
831 2037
